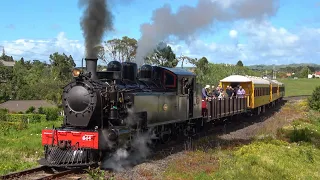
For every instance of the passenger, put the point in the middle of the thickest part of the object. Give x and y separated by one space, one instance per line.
235 90
221 93
229 92
241 92
212 91
216 92
205 92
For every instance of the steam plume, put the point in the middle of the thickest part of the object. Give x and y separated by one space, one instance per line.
122 159
190 20
97 19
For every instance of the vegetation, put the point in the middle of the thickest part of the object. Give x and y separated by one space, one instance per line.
314 100
295 87
20 146
36 80
20 137
288 152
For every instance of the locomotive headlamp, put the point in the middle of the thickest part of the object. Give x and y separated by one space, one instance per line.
76 72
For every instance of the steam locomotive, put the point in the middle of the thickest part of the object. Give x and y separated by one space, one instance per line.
106 110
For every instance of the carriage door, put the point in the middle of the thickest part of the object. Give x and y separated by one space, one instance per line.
190 91
187 92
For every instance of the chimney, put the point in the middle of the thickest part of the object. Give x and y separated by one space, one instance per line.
91 65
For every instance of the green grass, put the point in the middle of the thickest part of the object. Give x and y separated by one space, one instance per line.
293 152
20 145
272 159
295 87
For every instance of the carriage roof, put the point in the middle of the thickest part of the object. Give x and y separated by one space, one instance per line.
240 78
277 82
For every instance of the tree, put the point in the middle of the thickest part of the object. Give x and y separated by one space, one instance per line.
162 56
5 57
314 100
183 58
303 73
239 63
122 50
61 65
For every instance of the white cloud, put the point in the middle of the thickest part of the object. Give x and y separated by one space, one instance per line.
263 44
253 43
41 49
233 33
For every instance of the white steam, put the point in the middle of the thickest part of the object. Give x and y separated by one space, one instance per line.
188 21
123 158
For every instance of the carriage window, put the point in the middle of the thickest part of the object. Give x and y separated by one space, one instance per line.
169 80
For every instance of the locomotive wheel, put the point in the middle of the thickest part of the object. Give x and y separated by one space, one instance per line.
165 138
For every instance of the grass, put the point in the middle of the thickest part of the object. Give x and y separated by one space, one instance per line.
287 148
295 87
20 145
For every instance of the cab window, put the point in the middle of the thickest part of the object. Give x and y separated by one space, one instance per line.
169 79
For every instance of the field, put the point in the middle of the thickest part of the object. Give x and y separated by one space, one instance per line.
20 145
290 152
295 87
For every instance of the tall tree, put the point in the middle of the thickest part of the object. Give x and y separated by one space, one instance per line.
122 50
239 63
303 73
162 56
61 65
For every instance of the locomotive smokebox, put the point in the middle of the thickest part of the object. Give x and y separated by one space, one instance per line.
91 64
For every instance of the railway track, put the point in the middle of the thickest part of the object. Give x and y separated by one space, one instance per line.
44 173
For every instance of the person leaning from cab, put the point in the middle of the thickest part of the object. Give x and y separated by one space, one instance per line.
205 92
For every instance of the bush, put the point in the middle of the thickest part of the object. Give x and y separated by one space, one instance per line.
26 118
40 110
52 114
30 110
314 100
3 113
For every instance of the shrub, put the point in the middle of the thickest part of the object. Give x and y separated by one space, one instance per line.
52 114
40 110
314 100
26 118
3 113
30 110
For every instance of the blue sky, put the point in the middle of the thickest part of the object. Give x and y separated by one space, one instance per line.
36 28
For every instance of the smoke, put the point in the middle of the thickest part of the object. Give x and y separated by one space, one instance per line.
188 21
97 19
123 158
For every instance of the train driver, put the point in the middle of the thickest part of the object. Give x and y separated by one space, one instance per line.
205 92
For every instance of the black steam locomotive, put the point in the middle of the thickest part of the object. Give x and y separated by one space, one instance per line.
105 110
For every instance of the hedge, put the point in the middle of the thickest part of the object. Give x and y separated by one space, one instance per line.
52 114
27 118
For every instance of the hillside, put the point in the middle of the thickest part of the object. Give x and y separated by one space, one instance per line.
277 67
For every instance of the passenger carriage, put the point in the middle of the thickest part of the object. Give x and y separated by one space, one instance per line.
257 90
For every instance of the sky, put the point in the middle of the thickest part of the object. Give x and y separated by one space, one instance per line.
34 29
